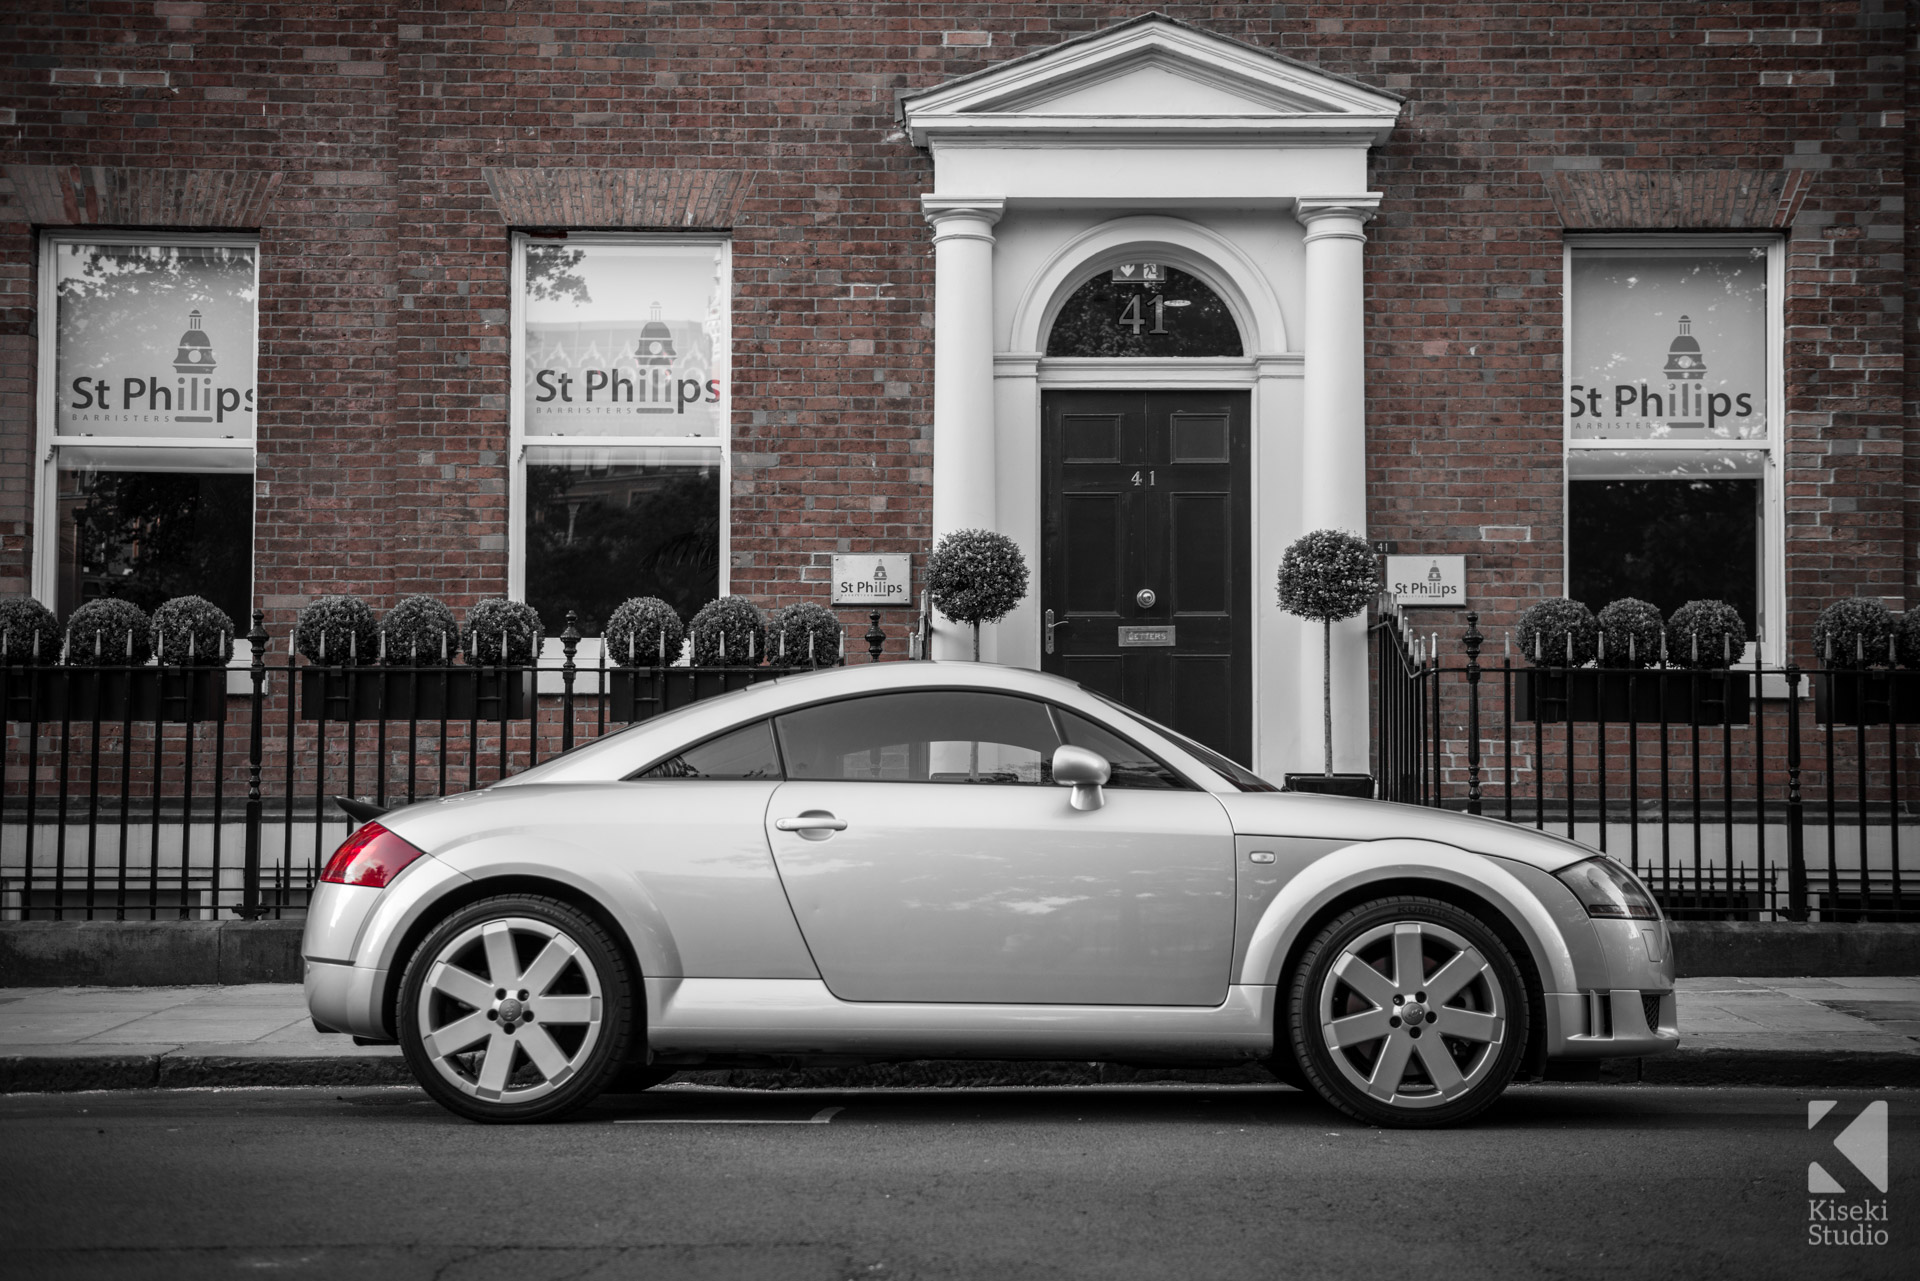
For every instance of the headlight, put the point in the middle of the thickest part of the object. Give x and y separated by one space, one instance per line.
1610 891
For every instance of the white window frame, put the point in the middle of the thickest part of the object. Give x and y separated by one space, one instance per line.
46 506
518 438
1771 648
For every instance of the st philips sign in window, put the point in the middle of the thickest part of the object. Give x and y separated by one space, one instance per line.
153 340
1668 345
625 340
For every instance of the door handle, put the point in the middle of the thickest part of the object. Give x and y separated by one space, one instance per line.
1050 625
811 823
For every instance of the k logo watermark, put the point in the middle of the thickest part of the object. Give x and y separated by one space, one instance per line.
1845 1211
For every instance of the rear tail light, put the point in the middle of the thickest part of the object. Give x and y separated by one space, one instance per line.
372 856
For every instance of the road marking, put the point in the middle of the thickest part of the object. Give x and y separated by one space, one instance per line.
822 1117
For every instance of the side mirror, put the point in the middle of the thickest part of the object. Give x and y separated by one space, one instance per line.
1085 772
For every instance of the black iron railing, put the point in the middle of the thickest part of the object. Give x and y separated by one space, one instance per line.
154 793
1743 792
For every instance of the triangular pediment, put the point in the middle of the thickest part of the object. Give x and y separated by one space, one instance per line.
1154 75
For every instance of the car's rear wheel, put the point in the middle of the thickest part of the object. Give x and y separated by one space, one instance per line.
516 1008
1408 1011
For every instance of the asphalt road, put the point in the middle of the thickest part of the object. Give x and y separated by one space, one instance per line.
1098 1182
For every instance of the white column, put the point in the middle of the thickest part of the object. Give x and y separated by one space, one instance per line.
1333 453
963 483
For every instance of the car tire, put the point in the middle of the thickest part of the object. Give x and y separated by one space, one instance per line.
516 1008
1348 1019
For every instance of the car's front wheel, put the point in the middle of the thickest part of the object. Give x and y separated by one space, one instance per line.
1408 1011
515 1008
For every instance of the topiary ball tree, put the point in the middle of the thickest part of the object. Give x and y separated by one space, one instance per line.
803 634
109 633
337 631
729 632
1704 634
501 633
1559 633
1907 638
1851 634
419 631
1630 633
644 631
192 631
976 576
29 633
1327 576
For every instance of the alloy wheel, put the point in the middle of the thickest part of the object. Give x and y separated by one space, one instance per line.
1412 1014
510 1010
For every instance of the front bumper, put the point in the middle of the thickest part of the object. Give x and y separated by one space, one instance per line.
1629 1012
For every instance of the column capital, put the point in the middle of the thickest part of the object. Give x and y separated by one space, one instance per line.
962 217
1342 217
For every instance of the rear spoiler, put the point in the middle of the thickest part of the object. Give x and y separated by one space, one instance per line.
359 811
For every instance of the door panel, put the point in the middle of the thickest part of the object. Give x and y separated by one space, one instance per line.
1151 490
1199 438
1098 673
1092 438
1203 562
1203 685
1093 551
1006 894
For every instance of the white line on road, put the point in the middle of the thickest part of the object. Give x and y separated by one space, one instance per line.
822 1117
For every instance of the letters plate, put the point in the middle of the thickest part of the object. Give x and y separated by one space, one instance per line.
1138 637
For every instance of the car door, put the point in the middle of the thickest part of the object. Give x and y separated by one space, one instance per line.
929 857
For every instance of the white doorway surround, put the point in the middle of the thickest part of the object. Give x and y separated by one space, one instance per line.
1156 141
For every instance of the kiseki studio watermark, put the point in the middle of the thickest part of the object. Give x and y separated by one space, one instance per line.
1845 1210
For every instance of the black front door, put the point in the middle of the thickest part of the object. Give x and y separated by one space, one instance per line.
1144 576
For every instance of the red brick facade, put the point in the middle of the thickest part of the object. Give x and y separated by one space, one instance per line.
383 152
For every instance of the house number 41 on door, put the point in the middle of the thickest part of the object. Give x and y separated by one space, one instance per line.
1148 482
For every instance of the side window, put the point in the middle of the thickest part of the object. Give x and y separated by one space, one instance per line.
745 753
1131 766
933 736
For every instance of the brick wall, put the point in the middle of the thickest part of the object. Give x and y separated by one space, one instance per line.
407 139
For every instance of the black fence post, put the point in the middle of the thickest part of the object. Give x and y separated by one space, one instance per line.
1473 640
876 638
1796 810
250 908
569 642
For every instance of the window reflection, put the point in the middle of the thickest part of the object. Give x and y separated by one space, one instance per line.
605 525
1666 542
147 536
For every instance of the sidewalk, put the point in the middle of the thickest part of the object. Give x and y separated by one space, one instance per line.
1811 1032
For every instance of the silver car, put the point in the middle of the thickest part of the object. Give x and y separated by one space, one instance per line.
955 860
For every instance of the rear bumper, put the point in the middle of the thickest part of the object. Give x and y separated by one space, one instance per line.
347 998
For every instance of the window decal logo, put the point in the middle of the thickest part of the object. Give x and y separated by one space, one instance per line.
191 396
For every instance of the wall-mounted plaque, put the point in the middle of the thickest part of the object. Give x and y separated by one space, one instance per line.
1427 580
873 580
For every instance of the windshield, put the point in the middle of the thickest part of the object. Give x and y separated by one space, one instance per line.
1234 772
